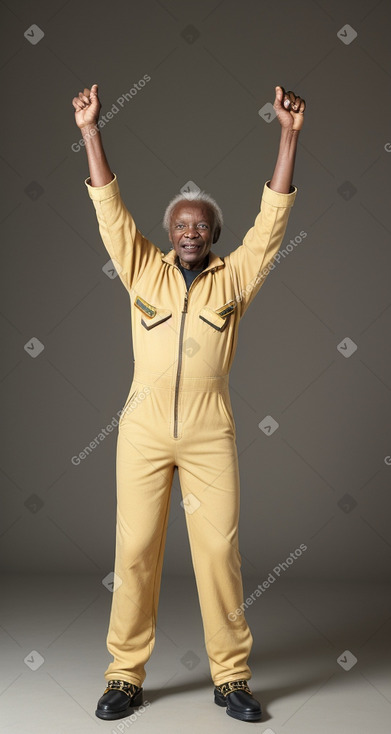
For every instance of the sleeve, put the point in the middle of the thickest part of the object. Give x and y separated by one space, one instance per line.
130 251
251 262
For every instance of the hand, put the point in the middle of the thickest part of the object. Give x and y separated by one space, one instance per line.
289 109
87 107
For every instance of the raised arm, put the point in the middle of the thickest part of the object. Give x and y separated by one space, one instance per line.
290 113
251 262
129 250
87 107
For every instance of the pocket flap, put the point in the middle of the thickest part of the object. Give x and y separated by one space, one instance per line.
151 314
218 318
162 314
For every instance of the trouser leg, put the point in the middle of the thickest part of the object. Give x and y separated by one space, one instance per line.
209 477
144 479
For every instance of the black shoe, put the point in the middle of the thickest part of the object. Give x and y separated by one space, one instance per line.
238 699
118 700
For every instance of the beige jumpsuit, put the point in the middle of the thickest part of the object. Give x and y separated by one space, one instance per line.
178 413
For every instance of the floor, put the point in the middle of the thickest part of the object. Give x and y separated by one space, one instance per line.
320 660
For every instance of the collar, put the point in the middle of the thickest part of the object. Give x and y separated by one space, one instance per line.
214 260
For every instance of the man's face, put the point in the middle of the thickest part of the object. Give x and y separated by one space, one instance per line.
192 232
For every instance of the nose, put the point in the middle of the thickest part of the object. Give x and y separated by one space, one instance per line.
191 233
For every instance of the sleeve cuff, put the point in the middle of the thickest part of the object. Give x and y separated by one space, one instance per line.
276 198
99 193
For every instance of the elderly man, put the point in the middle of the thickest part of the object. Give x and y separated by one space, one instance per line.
186 306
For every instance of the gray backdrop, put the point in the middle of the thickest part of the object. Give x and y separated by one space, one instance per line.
314 347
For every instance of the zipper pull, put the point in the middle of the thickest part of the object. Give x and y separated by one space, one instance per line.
185 303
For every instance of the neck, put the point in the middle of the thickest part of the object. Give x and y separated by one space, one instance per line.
196 266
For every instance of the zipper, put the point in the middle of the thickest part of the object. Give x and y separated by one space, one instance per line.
178 374
181 330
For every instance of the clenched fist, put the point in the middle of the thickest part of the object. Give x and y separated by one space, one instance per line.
289 109
87 107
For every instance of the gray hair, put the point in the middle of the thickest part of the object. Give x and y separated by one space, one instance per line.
200 196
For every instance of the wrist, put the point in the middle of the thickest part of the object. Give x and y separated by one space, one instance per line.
288 141
289 132
89 125
89 131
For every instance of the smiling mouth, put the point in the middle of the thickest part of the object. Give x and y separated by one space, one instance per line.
191 247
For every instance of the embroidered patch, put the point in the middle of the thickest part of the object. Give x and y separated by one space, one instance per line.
228 308
145 307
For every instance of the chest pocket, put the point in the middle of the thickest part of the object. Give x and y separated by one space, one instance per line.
219 317
151 315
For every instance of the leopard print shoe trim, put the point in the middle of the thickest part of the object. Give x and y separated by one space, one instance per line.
122 685
233 685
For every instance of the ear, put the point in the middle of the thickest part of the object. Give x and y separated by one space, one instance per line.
216 234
